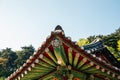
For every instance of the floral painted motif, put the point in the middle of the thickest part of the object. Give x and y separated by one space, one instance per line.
76 79
55 79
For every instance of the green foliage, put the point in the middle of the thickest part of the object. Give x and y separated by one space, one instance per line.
111 49
118 45
92 38
112 41
3 60
115 53
23 55
2 78
83 42
11 60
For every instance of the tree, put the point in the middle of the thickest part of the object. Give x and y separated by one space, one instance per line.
24 54
92 38
2 78
83 42
3 61
9 66
11 60
118 45
111 49
115 53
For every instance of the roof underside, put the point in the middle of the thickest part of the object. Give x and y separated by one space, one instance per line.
60 58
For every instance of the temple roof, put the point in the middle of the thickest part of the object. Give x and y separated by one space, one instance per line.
58 55
96 47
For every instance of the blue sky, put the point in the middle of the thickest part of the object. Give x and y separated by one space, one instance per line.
25 22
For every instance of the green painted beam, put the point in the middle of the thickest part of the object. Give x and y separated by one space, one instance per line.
30 76
42 67
86 66
40 70
90 69
48 61
78 74
48 78
59 56
41 63
93 70
70 57
81 62
51 55
102 73
36 73
47 75
76 58
63 54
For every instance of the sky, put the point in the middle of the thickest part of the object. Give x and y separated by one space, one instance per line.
29 22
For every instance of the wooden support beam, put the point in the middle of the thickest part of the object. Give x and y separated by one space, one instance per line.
86 66
70 57
76 59
45 76
41 63
47 60
31 76
42 68
81 62
63 54
51 55
96 71
59 56
92 69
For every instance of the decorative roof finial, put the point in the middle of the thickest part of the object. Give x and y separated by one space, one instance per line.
58 27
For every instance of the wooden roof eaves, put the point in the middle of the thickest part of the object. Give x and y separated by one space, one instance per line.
33 58
111 58
85 54
60 34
